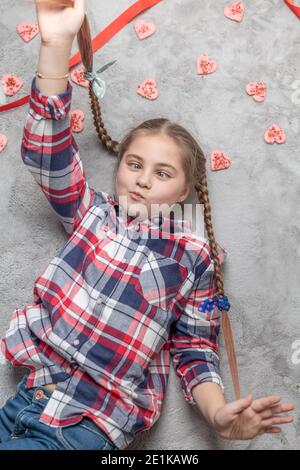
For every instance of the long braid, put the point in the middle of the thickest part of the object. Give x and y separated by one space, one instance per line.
111 145
202 192
204 198
86 51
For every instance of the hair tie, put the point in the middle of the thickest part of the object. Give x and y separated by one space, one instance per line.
221 302
98 85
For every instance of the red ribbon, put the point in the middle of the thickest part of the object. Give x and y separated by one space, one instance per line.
102 38
294 8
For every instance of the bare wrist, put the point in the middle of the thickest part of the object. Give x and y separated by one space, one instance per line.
58 43
210 399
53 62
214 423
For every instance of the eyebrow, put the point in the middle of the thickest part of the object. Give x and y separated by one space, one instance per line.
158 164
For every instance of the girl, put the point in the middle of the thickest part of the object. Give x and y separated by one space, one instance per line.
113 305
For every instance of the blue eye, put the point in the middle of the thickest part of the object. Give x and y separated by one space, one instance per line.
134 165
163 173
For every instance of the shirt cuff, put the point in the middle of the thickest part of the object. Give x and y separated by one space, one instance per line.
50 107
187 385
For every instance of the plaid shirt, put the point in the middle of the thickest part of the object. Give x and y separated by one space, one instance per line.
112 306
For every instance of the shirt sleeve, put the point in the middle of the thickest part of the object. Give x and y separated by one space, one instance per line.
194 337
51 154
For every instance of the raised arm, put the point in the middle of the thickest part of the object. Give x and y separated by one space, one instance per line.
49 149
58 28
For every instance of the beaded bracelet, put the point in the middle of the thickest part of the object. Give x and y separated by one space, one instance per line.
38 74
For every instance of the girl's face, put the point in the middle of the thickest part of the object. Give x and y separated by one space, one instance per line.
151 172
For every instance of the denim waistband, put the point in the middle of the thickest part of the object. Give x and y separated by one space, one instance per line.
35 394
41 394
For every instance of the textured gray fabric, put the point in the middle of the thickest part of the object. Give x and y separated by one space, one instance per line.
255 202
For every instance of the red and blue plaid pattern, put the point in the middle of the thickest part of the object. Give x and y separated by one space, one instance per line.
111 308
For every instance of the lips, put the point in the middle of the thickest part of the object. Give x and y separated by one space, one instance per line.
137 195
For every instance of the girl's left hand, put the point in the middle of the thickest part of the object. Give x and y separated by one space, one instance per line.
247 418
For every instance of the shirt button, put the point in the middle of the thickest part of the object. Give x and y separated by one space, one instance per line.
76 342
39 394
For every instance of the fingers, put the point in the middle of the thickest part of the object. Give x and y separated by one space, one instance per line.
58 3
261 404
267 423
268 410
53 4
238 406
273 430
284 407
268 426
276 410
79 5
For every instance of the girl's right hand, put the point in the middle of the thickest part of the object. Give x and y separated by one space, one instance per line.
59 24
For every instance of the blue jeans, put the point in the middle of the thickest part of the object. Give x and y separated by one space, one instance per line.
20 428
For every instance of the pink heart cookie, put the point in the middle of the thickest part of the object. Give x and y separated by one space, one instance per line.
235 11
77 120
144 29
78 78
205 65
27 31
11 84
273 134
219 161
148 89
3 142
257 90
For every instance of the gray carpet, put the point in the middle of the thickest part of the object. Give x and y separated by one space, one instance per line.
255 202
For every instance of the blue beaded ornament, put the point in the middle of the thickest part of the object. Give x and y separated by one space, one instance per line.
221 302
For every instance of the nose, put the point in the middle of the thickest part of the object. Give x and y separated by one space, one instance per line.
144 180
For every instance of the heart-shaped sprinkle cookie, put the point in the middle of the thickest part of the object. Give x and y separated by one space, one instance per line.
3 142
219 161
235 11
11 84
274 134
144 29
205 65
77 76
148 89
77 120
257 90
27 31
